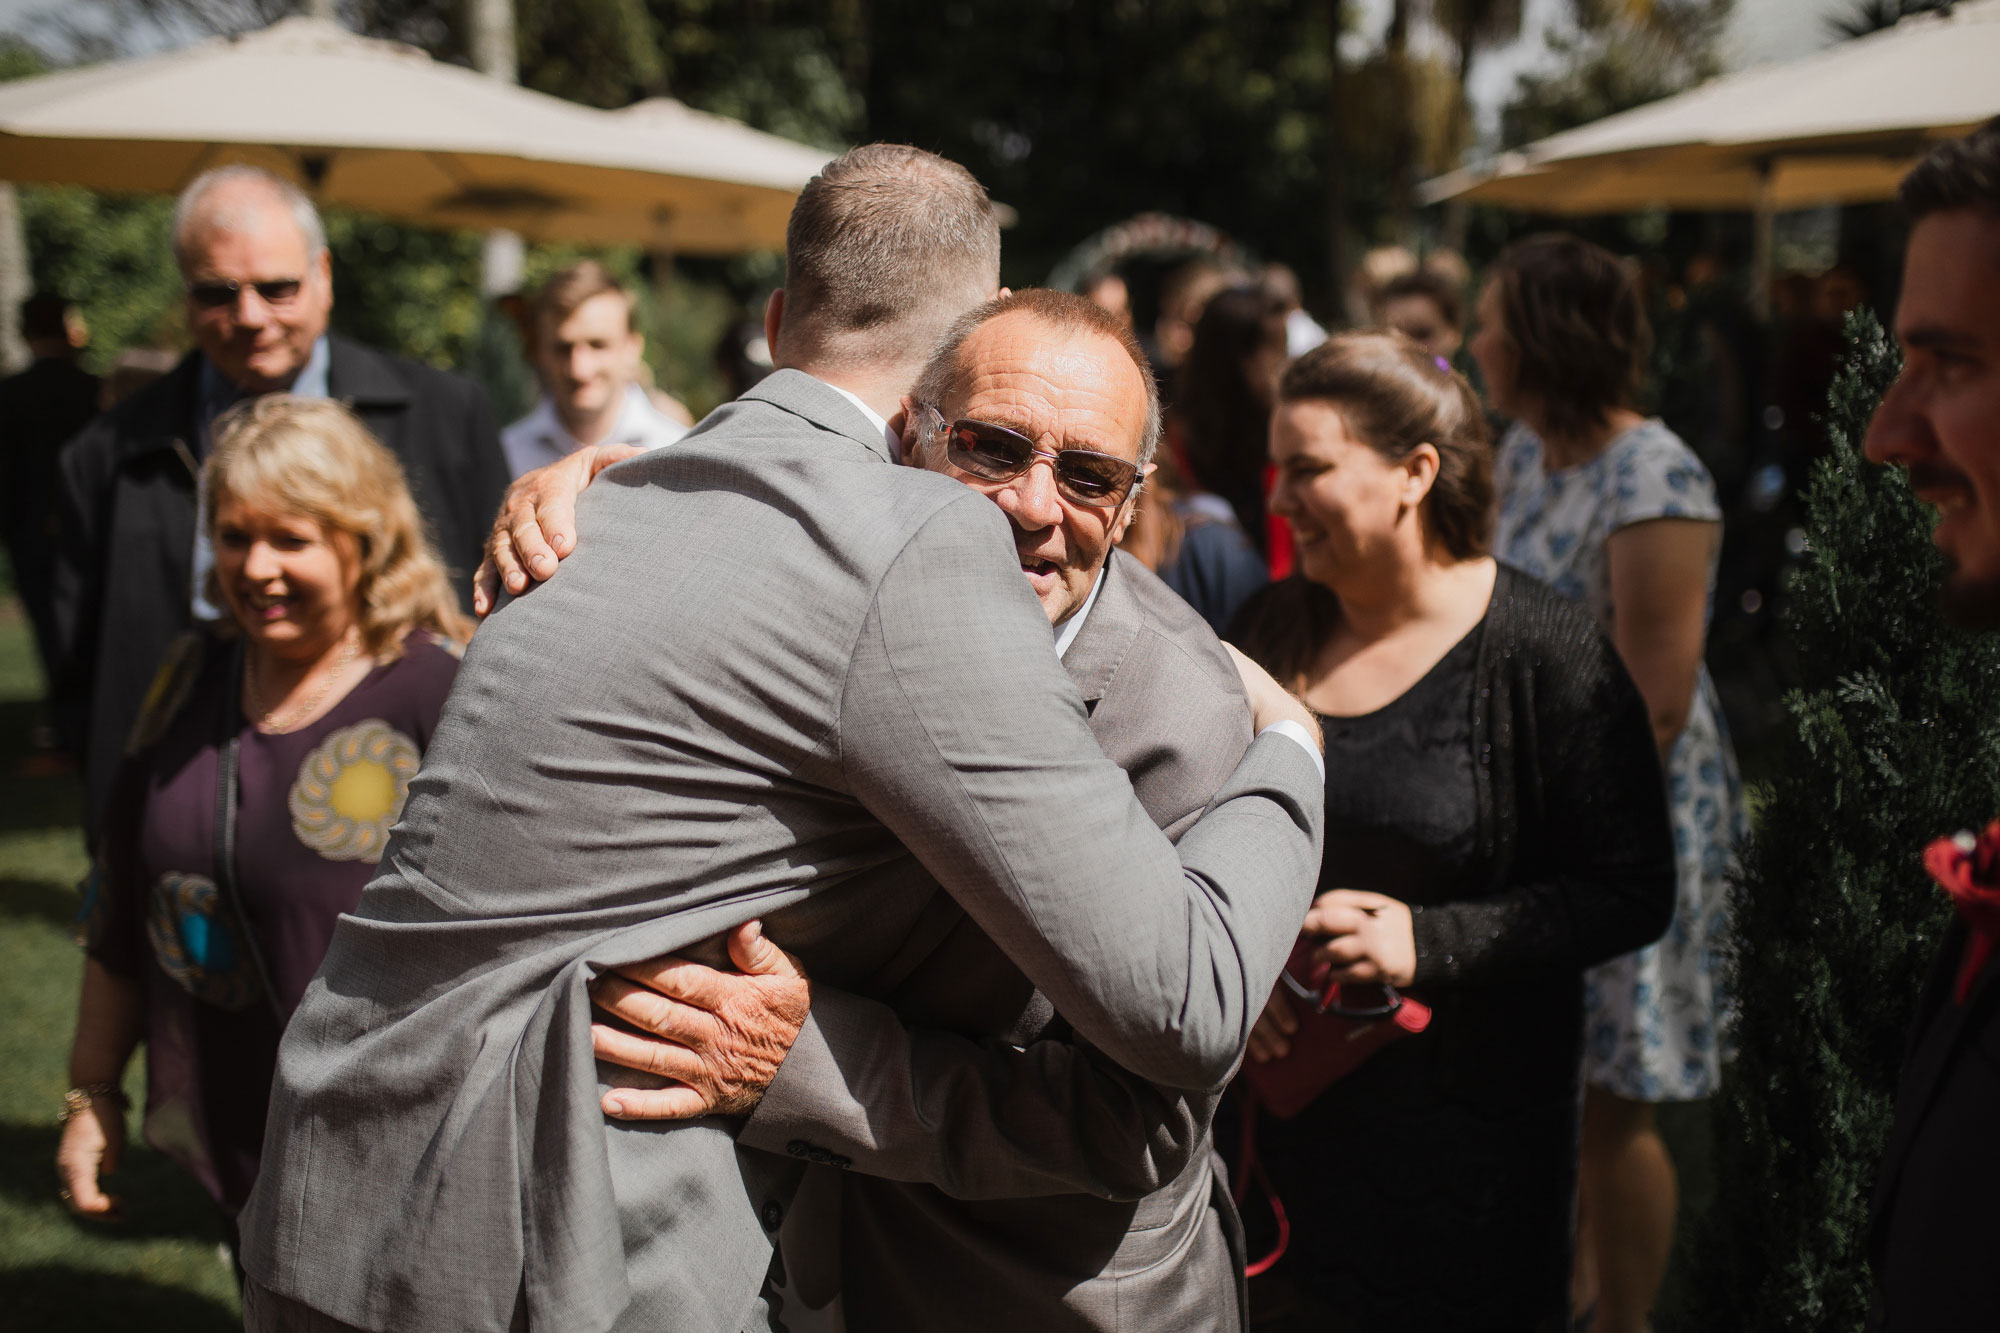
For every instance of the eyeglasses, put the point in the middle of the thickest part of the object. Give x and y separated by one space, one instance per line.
220 292
995 453
1331 997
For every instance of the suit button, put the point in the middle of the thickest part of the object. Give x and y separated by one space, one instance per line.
774 1215
842 1162
798 1147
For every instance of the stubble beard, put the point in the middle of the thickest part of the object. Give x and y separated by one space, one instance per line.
1970 602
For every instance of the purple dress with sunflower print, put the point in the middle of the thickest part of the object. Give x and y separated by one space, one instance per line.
314 809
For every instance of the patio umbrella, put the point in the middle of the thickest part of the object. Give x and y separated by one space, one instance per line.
382 127
1840 126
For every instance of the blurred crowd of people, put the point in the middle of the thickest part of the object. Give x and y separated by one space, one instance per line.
1462 536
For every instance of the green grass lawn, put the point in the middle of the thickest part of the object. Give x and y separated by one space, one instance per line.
159 1269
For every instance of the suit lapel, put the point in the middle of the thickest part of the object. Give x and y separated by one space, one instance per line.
360 377
1100 646
823 405
1941 1028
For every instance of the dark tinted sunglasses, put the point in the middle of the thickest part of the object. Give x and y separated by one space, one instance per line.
995 453
217 293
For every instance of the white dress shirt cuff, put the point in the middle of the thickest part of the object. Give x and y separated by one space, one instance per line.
1297 732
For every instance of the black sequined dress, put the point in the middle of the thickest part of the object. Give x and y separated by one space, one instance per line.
1512 797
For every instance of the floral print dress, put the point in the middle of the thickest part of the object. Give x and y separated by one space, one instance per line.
1654 1018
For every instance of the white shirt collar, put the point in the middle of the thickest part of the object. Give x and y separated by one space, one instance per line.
540 437
880 422
1067 631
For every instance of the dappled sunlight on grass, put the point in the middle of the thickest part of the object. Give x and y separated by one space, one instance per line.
160 1269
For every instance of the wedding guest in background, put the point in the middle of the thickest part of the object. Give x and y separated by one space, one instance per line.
1934 1229
306 711
588 353
1109 291
40 408
1191 540
1222 402
1302 331
133 557
1613 510
1184 294
1426 308
1495 825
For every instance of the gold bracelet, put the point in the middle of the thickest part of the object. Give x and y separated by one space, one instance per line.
79 1099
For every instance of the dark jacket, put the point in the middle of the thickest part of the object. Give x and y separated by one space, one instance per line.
126 505
1935 1227
40 408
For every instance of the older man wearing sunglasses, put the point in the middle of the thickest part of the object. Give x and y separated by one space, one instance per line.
974 1164
130 564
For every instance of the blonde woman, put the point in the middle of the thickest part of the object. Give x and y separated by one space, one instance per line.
272 756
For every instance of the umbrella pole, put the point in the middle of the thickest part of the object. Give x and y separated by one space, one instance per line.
1763 225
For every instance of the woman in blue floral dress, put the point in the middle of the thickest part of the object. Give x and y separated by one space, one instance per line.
1612 509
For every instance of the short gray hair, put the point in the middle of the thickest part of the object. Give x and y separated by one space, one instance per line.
188 209
1063 311
885 248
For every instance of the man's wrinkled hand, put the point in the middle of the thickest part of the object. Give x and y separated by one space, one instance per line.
536 527
720 1036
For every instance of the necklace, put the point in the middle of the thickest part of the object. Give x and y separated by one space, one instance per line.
268 718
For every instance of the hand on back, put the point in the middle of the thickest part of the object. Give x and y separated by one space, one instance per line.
719 1035
536 526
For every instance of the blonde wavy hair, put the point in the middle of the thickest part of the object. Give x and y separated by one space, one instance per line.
313 457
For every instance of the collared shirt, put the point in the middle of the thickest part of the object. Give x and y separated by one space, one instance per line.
540 438
216 396
1066 635
880 422
1067 631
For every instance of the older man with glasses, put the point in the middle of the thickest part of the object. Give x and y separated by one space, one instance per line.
130 565
972 1163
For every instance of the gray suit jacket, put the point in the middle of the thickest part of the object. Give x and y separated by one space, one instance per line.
782 680
1132 1229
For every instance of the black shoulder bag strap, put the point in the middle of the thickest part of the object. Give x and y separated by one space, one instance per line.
228 745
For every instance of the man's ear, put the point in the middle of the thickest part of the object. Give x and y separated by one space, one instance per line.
774 319
904 423
325 266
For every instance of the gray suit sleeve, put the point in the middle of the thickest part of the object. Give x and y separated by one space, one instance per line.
978 1119
976 754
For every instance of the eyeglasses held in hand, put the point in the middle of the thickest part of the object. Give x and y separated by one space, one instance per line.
995 453
1330 997
220 292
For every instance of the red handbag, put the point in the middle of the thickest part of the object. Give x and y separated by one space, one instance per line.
1339 1027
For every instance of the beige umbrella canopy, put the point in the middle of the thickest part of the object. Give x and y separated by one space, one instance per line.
381 127
1840 126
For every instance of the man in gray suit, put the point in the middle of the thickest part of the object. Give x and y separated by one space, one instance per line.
781 682
1072 1210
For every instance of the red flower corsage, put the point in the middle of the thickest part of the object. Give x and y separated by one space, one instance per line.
1968 868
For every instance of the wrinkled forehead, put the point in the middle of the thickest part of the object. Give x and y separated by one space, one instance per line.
1063 388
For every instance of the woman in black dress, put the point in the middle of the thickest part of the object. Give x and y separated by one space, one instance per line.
1494 826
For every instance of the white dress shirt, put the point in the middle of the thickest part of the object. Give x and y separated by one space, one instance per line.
540 438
